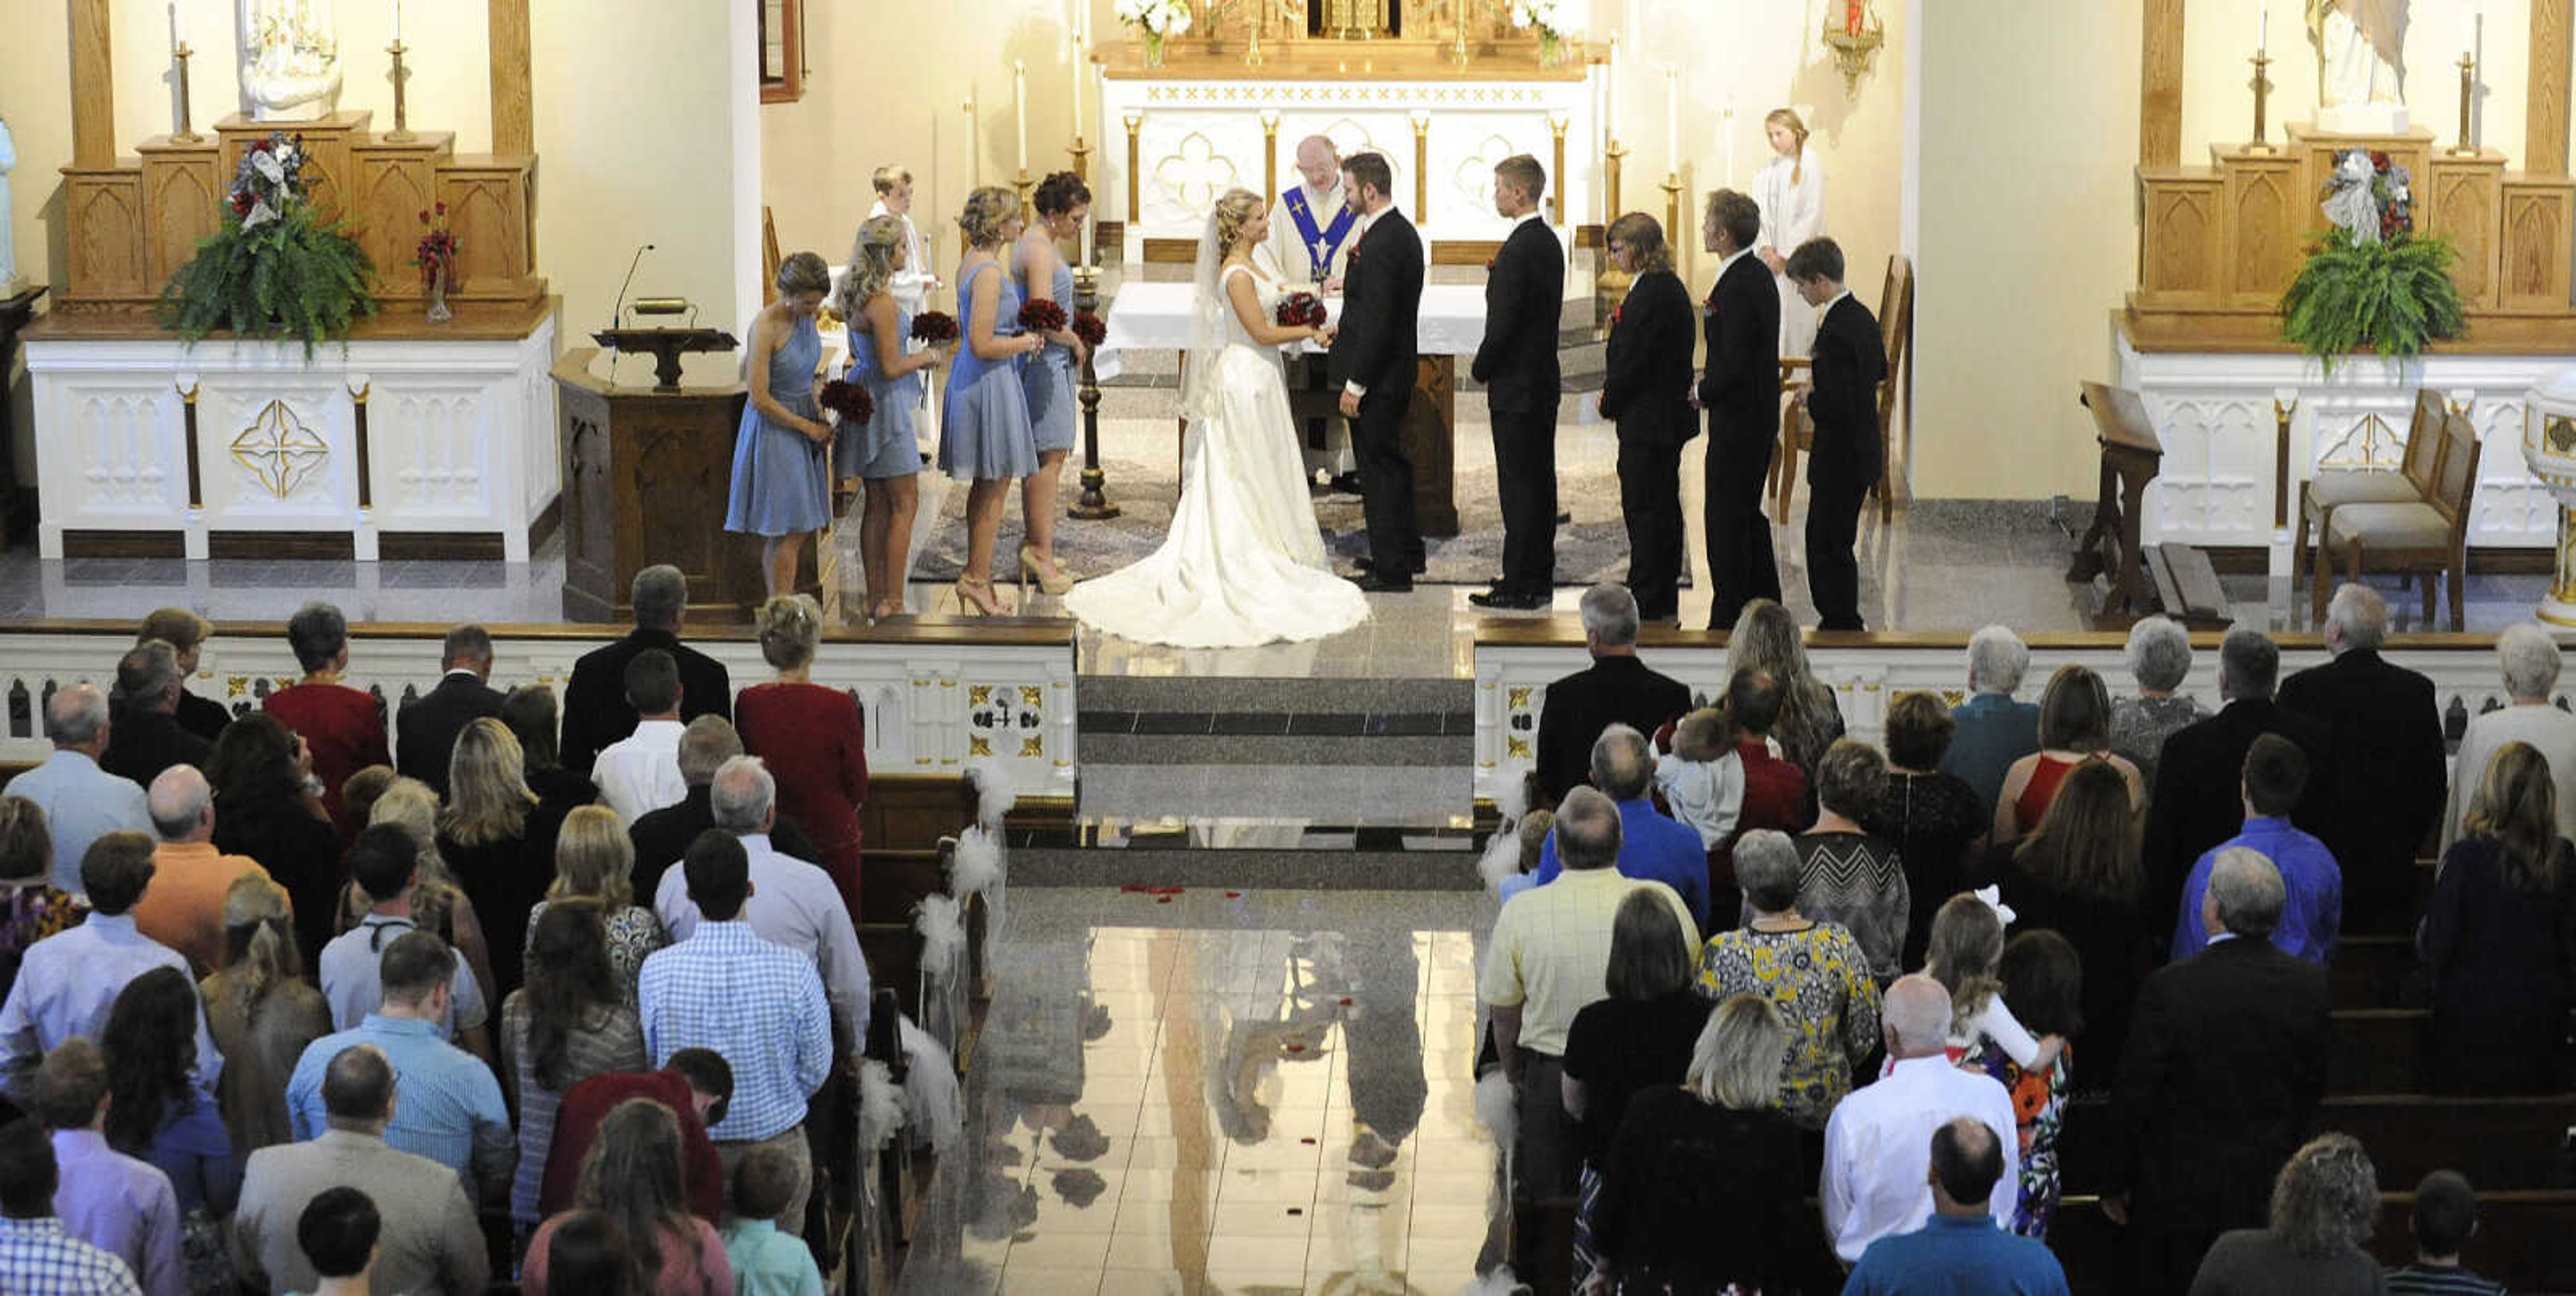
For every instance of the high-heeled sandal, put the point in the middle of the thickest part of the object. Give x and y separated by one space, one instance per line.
969 603
1058 584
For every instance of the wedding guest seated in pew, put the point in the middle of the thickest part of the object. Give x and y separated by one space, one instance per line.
186 633
498 839
641 771
1775 790
384 867
594 702
2074 727
1934 820
2446 1216
67 983
1847 876
1651 845
633 1173
662 836
813 738
2323 1205
2386 784
81 801
1813 973
114 1201
1766 638
1993 729
2500 936
567 1024
1878 1145
183 908
261 1012
2529 660
1958 1248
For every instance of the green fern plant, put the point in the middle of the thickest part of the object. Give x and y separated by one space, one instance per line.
273 269
2391 297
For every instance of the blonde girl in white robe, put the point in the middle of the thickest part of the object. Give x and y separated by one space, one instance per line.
1791 190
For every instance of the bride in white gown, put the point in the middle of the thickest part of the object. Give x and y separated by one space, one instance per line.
1244 562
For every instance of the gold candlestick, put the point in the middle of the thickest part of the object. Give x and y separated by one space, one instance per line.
1672 187
1093 503
1023 183
1610 160
2468 94
401 133
185 134
1081 160
2262 90
1458 54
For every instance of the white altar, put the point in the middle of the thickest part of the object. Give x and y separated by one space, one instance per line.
2214 413
427 447
1156 317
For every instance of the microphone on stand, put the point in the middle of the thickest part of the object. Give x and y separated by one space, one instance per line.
620 308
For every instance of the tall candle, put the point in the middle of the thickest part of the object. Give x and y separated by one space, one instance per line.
1020 108
2263 28
1610 113
398 22
1730 135
174 27
1673 113
1081 83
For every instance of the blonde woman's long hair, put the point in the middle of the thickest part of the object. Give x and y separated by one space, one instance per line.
871 265
2517 805
1766 638
487 786
259 941
594 859
1737 1060
1797 126
1966 945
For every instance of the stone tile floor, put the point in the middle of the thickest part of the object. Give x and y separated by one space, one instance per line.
1219 1092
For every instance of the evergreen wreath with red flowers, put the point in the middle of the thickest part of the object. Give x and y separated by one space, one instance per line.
272 268
2371 282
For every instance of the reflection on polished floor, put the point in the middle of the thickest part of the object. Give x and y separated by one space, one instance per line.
1218 1091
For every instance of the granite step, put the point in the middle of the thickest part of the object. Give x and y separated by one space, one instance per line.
1409 723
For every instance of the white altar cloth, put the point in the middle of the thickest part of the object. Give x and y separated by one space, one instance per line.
1156 317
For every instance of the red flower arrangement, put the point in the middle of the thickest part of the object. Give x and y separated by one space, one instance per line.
1090 328
436 254
1302 309
934 327
848 401
1038 315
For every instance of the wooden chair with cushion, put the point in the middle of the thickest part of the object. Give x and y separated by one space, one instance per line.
1798 432
2333 488
2419 538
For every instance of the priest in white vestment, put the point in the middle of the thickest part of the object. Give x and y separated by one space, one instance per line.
1312 232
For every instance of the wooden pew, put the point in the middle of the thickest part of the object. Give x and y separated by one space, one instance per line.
2370 971
2499 1143
2525 1240
2377 1051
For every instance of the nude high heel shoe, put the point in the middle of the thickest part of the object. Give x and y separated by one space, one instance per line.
1058 584
972 603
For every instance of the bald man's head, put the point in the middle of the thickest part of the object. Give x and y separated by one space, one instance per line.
1967 1159
182 805
1917 1017
1319 163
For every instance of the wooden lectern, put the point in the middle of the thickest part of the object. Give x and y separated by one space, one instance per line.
666 346
646 474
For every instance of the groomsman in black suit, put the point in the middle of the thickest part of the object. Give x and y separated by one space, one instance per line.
1850 359
1646 391
1740 389
1373 358
1524 291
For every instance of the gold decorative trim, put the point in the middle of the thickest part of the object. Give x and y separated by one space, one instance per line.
1032 696
1032 748
977 746
279 451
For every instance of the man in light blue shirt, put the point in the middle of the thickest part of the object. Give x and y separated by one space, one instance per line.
1960 1248
1652 847
451 1109
1992 730
67 982
81 801
384 864
2276 773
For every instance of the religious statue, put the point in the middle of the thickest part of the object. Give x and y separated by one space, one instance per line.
8 249
290 59
2360 70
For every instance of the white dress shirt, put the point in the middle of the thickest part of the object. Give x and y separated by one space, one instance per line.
67 982
82 803
1878 1150
793 903
641 773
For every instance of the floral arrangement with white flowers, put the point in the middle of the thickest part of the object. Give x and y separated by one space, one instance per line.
1538 14
1156 17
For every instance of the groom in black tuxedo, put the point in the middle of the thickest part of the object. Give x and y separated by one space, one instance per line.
1524 292
1373 358
1740 389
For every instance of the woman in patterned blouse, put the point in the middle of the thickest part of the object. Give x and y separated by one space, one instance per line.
562 1028
1813 972
2042 978
595 860
1847 875
36 909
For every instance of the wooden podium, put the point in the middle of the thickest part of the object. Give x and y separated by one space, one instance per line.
646 473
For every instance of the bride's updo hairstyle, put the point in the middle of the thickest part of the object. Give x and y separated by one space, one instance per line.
1060 193
1233 211
871 265
987 210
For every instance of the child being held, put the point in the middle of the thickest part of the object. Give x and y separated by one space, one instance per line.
1703 778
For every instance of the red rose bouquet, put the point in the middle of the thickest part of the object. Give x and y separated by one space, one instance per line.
1302 310
436 255
1038 315
1090 328
935 327
848 401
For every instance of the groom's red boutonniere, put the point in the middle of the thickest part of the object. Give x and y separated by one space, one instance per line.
1489 265
1614 315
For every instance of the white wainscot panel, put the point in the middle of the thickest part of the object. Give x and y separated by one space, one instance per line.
128 461
431 449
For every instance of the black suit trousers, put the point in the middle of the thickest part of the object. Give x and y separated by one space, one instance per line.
1833 528
1386 479
1650 501
1525 481
1741 565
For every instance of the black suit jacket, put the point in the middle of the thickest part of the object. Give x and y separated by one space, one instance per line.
2219 1084
594 703
1574 711
1524 296
141 744
425 730
662 836
2199 799
1381 309
1850 359
1647 386
203 717
2389 776
1740 388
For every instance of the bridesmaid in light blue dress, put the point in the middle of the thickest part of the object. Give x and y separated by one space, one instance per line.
780 482
1048 377
882 452
984 434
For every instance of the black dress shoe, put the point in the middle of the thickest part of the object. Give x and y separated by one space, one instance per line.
1509 601
1368 563
1347 483
1372 583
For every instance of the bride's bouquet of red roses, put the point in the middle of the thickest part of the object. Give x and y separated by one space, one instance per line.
1090 328
935 327
848 402
1038 315
1302 310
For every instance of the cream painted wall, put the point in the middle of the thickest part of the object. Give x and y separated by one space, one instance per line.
2218 95
2028 238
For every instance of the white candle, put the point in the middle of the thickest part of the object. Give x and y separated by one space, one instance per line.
397 22
1020 108
1081 83
2263 28
1673 113
1610 113
1730 136
174 27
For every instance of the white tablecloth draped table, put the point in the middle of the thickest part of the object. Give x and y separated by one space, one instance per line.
1156 317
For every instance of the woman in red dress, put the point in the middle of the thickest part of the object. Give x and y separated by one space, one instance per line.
345 727
812 738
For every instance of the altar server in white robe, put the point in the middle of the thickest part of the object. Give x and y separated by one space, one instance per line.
1791 190
911 285
1312 232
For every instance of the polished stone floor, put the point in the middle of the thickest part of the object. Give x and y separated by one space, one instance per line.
1219 1091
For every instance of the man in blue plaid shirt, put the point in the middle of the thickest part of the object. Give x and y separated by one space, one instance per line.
37 1258
758 1004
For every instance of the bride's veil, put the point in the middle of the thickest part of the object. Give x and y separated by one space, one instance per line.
1204 389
